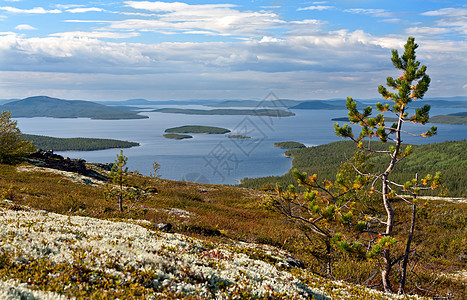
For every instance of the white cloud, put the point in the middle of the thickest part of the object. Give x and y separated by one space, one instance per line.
316 7
25 27
35 10
223 19
427 30
451 12
95 34
84 9
381 13
68 6
452 20
392 20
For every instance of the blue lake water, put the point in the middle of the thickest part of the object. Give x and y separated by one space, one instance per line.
213 158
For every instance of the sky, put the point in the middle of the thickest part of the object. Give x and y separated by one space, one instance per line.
164 50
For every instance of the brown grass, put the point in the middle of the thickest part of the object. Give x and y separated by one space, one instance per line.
226 213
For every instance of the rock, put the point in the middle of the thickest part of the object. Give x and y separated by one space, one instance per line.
48 159
293 262
163 227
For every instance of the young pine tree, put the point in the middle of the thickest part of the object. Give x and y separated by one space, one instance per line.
410 86
118 174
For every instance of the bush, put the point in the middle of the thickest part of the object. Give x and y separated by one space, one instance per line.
12 147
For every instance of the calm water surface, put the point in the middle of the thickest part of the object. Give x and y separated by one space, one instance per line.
212 158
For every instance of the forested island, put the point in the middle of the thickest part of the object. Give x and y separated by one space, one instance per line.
198 129
238 136
75 144
289 145
176 136
231 112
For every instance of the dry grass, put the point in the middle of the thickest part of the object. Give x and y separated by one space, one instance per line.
225 213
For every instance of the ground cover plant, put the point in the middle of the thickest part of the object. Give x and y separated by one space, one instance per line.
231 215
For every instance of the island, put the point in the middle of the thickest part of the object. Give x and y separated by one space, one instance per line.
197 129
289 145
238 136
75 144
43 106
231 112
176 136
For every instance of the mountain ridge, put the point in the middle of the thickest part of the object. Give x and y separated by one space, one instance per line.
44 106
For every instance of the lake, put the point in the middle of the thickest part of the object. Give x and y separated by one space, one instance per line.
213 158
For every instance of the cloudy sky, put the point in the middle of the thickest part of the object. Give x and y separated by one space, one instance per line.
117 50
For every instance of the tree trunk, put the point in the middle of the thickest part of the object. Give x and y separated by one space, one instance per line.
407 252
386 269
329 260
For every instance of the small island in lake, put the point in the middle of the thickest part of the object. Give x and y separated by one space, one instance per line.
176 136
75 144
198 129
238 136
289 145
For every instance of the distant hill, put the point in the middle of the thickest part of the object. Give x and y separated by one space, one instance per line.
455 119
323 104
256 103
43 106
144 102
246 112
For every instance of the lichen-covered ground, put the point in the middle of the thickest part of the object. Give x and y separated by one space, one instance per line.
45 255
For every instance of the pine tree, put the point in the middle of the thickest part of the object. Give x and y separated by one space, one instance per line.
12 147
118 173
338 213
410 86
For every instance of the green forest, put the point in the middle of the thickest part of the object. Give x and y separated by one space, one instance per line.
198 129
75 144
176 136
289 145
449 158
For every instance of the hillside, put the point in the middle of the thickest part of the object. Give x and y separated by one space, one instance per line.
76 246
450 158
455 119
222 243
43 106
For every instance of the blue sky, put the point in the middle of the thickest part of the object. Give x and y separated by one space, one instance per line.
160 50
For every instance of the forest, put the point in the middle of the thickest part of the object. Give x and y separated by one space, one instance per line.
198 129
449 158
75 144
